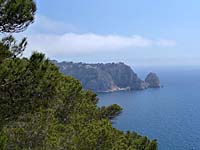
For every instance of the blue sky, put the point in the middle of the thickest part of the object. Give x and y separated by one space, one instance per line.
137 32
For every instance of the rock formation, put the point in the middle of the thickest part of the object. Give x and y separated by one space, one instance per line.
104 77
152 80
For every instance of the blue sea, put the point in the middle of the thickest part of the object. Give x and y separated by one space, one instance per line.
170 114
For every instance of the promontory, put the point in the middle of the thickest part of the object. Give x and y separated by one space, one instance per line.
107 77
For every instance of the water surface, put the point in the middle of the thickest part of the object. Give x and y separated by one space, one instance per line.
170 114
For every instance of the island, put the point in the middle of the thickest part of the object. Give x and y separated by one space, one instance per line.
152 80
107 77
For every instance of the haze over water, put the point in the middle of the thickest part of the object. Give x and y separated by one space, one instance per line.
170 114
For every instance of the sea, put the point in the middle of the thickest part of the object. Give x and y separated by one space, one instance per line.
170 114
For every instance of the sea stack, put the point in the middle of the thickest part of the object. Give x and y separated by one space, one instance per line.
152 80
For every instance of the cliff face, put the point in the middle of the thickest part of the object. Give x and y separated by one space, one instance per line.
103 77
152 80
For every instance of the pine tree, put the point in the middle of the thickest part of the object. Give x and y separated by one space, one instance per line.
40 108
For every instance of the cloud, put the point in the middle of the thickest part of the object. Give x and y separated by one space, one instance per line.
72 43
58 39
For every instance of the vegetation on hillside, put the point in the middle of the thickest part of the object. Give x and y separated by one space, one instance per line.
42 109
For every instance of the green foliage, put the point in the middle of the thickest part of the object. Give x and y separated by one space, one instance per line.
26 85
16 15
41 109
9 44
110 112
3 141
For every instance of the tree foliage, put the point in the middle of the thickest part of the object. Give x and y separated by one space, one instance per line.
41 109
16 15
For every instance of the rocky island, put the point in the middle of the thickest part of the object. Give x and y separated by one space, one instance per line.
152 80
107 77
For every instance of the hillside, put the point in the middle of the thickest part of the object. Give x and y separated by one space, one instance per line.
107 77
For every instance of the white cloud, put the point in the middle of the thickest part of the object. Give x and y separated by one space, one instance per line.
59 39
71 43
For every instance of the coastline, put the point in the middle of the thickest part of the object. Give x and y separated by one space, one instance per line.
114 90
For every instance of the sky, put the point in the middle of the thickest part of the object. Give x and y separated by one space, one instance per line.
137 32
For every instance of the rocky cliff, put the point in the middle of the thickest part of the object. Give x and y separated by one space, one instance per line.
152 80
104 77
